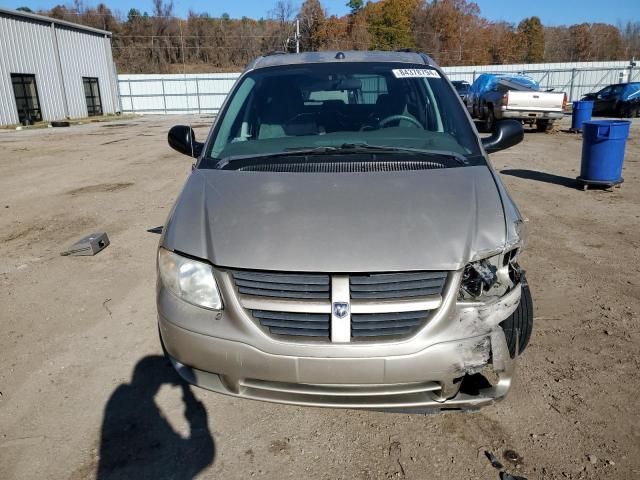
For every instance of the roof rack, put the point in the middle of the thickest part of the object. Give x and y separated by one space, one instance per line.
275 52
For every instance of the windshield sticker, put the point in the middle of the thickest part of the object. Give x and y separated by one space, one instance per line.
415 73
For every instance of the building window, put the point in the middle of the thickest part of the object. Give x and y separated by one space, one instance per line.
27 102
92 95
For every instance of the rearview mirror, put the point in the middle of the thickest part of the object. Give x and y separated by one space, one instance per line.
506 133
183 139
348 84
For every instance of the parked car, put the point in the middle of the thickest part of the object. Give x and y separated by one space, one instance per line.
350 249
494 97
620 99
462 87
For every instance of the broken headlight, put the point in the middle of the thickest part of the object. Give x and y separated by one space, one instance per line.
189 279
490 277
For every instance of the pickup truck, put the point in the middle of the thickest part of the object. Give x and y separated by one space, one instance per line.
496 97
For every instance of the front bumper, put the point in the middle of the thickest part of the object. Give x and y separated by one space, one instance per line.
227 353
373 383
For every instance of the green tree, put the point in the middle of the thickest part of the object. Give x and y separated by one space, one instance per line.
24 9
133 15
391 23
531 32
355 5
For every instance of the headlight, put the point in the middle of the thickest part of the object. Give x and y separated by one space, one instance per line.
491 277
189 279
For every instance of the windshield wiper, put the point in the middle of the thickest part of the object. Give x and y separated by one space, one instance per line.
345 148
289 152
367 147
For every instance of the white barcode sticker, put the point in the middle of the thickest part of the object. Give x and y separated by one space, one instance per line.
415 73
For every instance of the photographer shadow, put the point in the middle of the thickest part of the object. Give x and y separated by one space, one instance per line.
138 442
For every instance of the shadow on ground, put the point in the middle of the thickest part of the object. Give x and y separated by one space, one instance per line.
138 442
541 177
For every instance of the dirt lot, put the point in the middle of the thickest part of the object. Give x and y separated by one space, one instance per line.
72 330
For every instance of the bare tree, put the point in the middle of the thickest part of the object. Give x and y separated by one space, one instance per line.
282 14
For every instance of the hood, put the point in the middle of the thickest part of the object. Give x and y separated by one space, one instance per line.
338 222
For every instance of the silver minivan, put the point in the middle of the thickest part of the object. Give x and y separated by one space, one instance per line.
343 241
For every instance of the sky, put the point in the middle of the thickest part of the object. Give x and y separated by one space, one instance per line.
551 12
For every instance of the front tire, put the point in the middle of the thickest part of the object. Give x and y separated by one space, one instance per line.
630 111
520 324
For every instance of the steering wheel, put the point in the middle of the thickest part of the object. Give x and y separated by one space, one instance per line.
392 118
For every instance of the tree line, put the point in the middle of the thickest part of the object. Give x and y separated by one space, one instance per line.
453 32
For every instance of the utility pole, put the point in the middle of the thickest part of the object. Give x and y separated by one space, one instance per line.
297 35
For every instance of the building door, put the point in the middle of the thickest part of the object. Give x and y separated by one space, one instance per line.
92 95
27 102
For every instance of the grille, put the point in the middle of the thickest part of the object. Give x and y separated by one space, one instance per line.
299 304
283 285
386 286
295 324
394 324
341 167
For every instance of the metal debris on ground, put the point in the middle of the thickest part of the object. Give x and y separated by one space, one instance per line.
89 245
508 476
495 463
512 456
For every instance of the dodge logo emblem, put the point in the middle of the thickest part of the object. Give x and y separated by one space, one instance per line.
340 310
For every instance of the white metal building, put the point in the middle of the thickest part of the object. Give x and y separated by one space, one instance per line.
51 70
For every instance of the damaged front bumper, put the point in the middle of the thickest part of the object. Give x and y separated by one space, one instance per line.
312 381
426 372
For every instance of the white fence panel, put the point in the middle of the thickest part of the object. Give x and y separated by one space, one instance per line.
205 92
175 93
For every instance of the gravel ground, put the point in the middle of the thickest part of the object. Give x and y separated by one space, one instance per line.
73 329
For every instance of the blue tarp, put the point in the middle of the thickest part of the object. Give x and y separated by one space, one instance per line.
488 81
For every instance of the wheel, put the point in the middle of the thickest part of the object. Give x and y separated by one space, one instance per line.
627 112
544 125
520 324
490 122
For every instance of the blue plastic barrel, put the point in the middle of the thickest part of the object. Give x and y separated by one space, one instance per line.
581 113
603 143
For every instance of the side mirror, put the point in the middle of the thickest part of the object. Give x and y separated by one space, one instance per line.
506 133
183 139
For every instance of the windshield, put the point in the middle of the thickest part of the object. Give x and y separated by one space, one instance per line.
461 86
632 91
312 106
